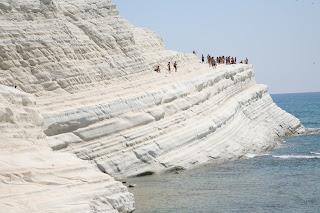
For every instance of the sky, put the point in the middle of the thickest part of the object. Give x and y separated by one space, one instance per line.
281 38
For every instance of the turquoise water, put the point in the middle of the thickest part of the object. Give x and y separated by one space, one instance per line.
286 180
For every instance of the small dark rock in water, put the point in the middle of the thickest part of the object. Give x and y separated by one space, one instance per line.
132 185
124 182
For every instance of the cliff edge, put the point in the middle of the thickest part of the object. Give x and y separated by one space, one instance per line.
86 88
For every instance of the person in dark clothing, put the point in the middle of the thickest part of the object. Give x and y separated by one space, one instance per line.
175 65
202 59
169 66
157 69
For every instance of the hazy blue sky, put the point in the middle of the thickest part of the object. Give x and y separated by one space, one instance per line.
280 37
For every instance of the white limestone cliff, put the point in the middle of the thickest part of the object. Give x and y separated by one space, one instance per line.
97 97
33 178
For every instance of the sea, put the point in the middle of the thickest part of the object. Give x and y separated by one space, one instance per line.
284 180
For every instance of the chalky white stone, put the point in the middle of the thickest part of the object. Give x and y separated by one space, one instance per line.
86 87
33 178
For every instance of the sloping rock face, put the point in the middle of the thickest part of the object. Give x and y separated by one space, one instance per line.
91 74
188 119
33 178
67 46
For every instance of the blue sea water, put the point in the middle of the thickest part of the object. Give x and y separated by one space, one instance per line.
285 180
305 106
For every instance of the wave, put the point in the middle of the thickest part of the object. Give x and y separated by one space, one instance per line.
315 153
312 131
250 155
297 156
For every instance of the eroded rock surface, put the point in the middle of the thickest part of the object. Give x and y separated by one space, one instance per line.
33 178
91 74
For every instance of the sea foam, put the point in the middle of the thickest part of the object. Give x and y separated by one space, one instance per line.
315 153
251 155
296 156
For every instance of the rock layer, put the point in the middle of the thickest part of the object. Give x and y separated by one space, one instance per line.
33 178
91 73
186 121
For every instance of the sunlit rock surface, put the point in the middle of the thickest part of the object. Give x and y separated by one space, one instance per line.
33 178
91 74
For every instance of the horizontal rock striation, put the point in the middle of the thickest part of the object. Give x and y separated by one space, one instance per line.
189 119
91 74
33 178
51 46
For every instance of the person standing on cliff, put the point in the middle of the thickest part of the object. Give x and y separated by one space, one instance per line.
214 63
212 59
169 66
202 59
175 65
157 69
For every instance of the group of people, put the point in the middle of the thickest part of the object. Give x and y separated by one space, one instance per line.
245 61
212 61
175 67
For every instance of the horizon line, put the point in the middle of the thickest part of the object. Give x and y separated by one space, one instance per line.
286 93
